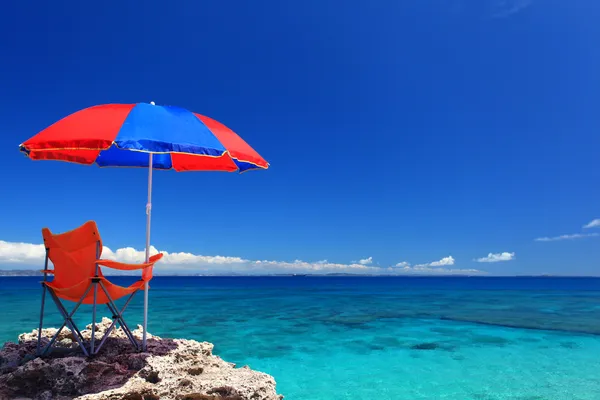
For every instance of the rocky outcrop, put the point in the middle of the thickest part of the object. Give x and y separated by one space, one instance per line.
177 369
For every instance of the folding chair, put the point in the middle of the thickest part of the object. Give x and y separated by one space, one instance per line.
79 279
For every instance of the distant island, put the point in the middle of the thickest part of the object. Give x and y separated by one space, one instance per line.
30 272
20 272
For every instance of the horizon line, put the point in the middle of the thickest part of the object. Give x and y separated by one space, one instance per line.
35 273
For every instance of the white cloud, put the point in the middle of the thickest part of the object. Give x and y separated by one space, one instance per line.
366 261
594 224
496 257
131 255
566 237
189 261
31 256
21 253
444 262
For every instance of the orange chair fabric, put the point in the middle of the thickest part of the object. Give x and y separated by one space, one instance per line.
75 255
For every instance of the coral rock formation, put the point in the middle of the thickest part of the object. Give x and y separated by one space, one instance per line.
177 369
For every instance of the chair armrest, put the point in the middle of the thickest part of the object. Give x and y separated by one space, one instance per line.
129 267
47 271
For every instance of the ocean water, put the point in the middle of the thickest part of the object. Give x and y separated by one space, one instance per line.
334 338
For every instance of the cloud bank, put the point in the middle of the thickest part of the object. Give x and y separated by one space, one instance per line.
496 257
573 236
31 256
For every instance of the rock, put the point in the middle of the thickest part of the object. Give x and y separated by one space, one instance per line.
150 376
195 371
225 391
11 359
425 346
185 383
171 369
47 395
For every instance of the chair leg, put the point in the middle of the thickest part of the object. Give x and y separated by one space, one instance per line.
117 317
94 318
121 321
68 321
106 334
112 326
39 341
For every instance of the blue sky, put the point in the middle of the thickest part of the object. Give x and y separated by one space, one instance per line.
406 131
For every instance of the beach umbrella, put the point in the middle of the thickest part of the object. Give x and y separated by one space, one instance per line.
147 136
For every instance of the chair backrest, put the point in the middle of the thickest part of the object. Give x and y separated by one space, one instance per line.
74 253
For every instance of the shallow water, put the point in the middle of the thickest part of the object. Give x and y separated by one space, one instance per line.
386 338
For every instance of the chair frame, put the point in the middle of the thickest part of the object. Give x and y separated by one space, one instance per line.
117 315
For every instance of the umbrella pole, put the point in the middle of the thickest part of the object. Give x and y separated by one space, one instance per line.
148 217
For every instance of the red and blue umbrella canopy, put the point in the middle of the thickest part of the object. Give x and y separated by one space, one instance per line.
122 135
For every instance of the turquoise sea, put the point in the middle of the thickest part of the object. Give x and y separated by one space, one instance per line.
334 338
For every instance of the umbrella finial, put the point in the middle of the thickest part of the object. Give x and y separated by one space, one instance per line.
152 103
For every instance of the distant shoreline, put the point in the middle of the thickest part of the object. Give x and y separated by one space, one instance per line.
35 273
